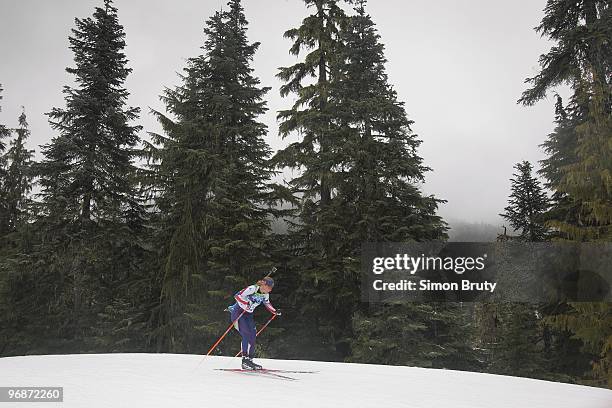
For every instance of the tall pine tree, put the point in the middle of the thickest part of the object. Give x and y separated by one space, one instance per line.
359 141
378 161
88 169
19 176
211 170
517 345
527 204
90 216
4 133
316 267
579 168
16 244
380 201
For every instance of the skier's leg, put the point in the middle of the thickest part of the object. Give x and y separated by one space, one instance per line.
244 345
252 350
251 335
240 326
235 312
247 331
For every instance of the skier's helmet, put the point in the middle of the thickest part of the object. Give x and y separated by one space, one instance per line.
268 281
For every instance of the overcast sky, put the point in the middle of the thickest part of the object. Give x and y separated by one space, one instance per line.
459 67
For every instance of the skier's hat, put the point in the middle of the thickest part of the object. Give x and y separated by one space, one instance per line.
268 281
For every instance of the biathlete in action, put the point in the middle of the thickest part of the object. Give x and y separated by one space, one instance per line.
247 300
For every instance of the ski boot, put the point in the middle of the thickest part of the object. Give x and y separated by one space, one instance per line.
248 364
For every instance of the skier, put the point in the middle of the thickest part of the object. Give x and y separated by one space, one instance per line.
247 300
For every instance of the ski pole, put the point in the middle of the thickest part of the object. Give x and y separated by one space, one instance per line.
260 330
222 336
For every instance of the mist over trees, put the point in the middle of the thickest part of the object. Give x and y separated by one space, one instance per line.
464 231
138 245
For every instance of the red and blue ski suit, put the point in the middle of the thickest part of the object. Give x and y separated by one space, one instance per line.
248 299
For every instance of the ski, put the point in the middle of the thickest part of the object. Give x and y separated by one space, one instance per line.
284 377
262 371
270 370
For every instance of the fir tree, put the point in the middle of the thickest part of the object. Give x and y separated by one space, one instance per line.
517 345
5 333
211 170
528 202
4 211
19 176
88 251
16 216
437 335
588 179
559 143
380 202
578 167
4 132
565 355
314 241
369 160
379 163
312 112
16 300
591 323
88 169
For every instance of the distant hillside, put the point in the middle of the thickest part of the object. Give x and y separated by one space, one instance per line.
463 231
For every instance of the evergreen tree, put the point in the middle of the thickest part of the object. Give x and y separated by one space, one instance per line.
315 262
211 171
517 345
528 202
437 335
88 250
381 203
88 168
559 143
4 221
578 167
591 323
312 112
369 159
562 352
4 133
19 176
588 179
16 216
378 160
565 357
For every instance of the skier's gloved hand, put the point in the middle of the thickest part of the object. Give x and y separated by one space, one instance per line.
278 312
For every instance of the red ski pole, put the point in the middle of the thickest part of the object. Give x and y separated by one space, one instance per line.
222 336
260 330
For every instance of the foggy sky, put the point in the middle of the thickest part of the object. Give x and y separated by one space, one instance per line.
459 67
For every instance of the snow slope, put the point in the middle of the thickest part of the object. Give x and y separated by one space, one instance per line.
179 380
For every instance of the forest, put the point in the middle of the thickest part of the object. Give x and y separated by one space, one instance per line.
115 242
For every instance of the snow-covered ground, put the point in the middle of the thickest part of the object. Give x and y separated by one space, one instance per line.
182 380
